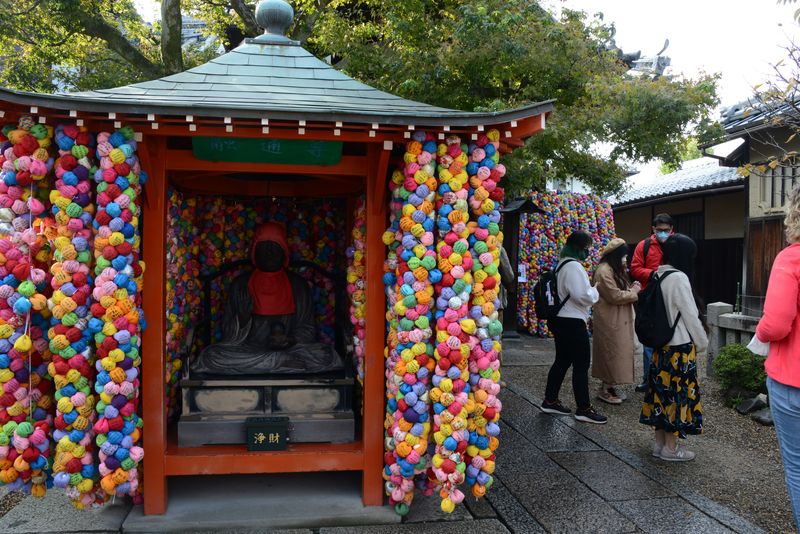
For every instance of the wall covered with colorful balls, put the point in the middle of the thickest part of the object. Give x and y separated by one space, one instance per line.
542 236
70 317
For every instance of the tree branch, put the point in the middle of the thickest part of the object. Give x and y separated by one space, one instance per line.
171 25
94 26
248 17
303 32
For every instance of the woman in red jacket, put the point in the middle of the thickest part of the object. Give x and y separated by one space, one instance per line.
780 327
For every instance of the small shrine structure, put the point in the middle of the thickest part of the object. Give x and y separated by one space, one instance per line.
216 130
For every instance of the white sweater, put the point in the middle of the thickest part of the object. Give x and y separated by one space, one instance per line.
573 281
678 297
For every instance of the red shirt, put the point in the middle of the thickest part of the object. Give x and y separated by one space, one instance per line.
641 267
780 324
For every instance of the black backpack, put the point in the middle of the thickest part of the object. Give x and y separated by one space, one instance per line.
545 294
652 322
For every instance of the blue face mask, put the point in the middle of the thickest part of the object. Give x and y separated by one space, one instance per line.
662 236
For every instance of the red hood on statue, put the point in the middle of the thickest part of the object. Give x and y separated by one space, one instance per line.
271 291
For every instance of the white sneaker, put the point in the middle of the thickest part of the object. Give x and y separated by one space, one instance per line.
678 455
657 450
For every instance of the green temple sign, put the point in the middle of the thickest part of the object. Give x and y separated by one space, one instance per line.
253 150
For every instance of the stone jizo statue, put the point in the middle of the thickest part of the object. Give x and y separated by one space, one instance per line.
268 321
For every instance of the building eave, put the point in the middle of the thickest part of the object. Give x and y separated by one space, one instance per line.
73 102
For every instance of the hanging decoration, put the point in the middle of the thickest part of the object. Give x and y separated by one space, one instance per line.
454 328
543 235
70 339
183 295
416 273
394 481
356 286
117 319
485 241
26 399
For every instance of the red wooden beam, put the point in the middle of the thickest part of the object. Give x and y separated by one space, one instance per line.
236 459
374 394
154 244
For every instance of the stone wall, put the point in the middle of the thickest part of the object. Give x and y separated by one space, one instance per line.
727 327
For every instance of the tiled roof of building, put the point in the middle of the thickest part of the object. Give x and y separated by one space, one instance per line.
696 175
748 115
271 74
276 75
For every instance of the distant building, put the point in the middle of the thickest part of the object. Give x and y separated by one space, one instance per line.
761 136
709 204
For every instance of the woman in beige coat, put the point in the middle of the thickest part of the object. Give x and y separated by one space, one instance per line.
612 320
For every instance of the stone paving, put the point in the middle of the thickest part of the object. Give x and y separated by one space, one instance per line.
553 475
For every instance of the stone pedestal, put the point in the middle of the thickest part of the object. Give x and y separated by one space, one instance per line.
319 408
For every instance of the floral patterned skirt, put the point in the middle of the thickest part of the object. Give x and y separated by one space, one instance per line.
672 400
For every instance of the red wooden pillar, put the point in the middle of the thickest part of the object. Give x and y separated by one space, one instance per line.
374 394
154 242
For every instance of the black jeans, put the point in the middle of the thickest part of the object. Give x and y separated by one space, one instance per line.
572 349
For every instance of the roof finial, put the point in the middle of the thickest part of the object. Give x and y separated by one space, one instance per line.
275 16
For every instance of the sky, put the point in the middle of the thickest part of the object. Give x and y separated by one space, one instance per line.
739 39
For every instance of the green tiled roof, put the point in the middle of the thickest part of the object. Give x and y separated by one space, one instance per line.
272 79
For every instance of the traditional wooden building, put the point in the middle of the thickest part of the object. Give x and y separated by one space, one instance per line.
755 135
708 203
218 129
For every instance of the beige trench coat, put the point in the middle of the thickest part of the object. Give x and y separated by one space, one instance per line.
612 330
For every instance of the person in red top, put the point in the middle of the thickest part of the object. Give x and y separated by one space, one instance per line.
646 259
780 327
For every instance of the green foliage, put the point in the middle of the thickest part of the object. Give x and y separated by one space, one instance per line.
737 367
93 44
491 54
474 55
688 152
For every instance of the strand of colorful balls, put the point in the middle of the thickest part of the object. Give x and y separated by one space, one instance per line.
455 330
70 337
416 271
485 173
543 235
183 300
448 386
117 321
53 323
394 481
26 394
356 283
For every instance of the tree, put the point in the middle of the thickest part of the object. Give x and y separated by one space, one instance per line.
778 102
689 152
480 55
493 54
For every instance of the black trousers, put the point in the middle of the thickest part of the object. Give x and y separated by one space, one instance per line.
572 349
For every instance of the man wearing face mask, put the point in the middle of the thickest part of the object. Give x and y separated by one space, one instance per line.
646 259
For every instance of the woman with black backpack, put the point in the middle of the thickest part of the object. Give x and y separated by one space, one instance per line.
576 295
672 400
